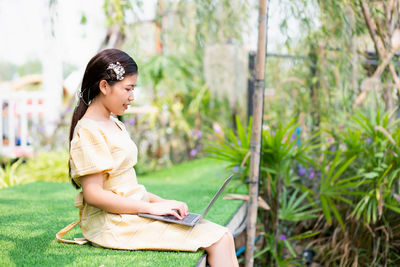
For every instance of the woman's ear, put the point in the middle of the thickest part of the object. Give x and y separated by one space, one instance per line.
103 86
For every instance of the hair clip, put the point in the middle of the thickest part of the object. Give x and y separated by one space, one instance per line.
118 70
81 97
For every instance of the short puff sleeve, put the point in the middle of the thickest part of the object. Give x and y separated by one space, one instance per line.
89 153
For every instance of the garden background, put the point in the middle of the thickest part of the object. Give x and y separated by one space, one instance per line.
330 138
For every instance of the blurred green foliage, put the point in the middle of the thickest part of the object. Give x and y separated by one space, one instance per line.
45 166
324 188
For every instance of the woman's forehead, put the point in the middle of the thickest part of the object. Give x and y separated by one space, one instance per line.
130 80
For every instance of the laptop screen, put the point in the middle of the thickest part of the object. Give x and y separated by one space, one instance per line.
216 196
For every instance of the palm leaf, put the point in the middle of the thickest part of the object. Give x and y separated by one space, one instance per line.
325 209
336 213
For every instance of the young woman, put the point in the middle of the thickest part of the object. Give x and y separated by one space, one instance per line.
102 157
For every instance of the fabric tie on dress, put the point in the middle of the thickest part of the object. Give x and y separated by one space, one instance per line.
80 241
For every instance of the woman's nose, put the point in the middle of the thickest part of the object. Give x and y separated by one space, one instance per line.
131 97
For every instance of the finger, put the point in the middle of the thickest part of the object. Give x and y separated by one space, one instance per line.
176 214
186 209
181 211
184 212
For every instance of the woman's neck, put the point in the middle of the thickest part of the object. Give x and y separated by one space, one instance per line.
97 111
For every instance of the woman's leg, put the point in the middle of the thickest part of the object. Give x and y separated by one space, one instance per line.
222 252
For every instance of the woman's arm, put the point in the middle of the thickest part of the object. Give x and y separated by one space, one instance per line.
95 195
154 198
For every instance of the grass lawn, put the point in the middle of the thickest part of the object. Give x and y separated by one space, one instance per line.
31 215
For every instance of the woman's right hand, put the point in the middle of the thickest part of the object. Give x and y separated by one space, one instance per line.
175 208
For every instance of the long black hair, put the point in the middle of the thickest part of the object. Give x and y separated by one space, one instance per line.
96 71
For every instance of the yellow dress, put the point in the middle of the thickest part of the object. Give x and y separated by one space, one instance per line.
113 153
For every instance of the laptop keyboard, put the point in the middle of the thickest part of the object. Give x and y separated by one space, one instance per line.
189 218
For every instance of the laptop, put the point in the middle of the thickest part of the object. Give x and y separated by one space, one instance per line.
192 218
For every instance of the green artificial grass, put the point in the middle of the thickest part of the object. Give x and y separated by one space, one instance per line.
31 215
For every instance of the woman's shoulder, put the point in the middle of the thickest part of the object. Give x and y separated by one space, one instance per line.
87 132
86 126
95 127
86 123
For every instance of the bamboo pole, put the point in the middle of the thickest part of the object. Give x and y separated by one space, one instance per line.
258 100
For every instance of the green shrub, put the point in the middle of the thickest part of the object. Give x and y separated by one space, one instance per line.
47 166
9 175
342 192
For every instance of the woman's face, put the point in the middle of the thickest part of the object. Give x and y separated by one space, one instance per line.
119 95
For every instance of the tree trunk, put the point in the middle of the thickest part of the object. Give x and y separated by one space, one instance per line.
158 20
52 80
385 54
278 184
354 75
114 38
314 87
258 100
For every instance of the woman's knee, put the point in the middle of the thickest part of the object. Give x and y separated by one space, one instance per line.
227 239
229 236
